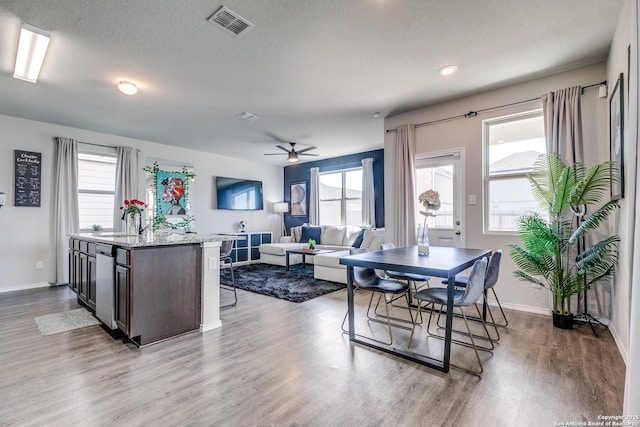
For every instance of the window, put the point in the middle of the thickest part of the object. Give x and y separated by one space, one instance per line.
439 178
341 197
512 145
96 189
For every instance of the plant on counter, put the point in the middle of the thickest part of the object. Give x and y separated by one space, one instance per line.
133 207
553 252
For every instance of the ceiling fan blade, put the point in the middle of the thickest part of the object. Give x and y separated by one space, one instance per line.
274 154
307 149
282 148
308 154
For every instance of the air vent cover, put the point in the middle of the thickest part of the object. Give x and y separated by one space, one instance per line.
230 21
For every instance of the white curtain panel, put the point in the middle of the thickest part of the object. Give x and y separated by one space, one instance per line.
127 182
64 207
404 199
368 194
314 196
562 112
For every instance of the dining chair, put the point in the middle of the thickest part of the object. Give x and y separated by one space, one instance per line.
366 279
461 298
411 278
225 257
491 278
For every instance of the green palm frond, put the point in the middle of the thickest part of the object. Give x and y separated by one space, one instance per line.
595 220
527 278
564 185
530 263
601 253
590 189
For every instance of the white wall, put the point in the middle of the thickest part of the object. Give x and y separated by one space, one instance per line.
467 134
616 64
25 231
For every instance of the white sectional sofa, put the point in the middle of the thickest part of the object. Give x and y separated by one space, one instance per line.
327 266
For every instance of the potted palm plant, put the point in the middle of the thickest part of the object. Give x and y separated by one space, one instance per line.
553 253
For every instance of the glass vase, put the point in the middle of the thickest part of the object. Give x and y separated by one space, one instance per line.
423 239
133 225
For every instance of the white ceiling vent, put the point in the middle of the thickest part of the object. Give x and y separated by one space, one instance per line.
248 116
230 21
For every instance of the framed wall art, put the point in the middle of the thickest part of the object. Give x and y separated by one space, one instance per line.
299 198
616 137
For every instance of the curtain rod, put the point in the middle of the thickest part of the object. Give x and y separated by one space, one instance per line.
102 145
475 113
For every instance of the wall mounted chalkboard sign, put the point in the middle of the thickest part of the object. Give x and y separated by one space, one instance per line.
28 166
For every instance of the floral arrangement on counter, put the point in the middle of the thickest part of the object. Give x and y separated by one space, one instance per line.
312 244
133 207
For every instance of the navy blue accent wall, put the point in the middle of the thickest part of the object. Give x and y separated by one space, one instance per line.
300 172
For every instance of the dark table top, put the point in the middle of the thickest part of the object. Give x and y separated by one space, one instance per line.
441 261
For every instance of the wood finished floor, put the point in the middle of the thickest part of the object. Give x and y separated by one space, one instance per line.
280 363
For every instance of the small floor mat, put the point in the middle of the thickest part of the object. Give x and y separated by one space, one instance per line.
65 321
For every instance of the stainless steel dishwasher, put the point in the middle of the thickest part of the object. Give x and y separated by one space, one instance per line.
105 285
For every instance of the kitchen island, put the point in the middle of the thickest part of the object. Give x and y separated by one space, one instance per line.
151 287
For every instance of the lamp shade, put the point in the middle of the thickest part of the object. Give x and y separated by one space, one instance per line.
281 207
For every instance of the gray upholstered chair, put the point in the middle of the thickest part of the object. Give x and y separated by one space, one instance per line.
461 298
490 280
411 278
366 279
225 257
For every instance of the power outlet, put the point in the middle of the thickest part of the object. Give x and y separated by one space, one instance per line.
214 263
39 265
472 199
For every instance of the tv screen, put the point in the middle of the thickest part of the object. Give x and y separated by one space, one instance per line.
239 194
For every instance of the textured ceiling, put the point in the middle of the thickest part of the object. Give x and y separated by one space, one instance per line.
314 71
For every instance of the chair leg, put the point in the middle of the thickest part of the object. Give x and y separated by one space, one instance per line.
478 319
232 288
386 303
506 322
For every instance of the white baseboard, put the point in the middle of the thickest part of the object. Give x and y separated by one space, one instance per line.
210 326
616 338
24 287
519 307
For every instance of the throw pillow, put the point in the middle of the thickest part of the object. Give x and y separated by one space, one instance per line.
309 232
358 241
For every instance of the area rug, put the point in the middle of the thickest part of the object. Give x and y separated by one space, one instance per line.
65 321
297 285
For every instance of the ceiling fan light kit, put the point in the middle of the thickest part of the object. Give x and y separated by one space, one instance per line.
292 154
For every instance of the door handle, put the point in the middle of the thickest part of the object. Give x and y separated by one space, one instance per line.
457 232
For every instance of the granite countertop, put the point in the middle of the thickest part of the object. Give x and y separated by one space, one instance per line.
150 239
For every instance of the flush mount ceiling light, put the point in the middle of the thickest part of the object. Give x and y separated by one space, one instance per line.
447 70
128 88
32 47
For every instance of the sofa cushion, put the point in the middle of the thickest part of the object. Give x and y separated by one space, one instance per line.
332 234
372 239
279 248
351 233
310 232
357 242
330 260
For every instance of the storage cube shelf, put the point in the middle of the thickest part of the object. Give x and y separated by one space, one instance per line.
246 251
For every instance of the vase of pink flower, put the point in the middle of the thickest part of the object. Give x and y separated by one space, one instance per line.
430 200
132 215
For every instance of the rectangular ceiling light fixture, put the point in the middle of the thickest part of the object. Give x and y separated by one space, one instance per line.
32 48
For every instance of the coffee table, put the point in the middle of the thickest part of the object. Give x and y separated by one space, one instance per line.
305 253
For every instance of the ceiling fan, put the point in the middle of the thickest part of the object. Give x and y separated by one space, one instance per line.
292 155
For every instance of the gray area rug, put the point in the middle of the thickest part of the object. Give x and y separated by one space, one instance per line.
65 321
297 285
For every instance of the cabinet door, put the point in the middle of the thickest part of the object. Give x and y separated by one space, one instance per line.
122 297
72 271
91 288
84 276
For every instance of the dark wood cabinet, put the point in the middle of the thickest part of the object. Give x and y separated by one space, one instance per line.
82 271
91 288
123 278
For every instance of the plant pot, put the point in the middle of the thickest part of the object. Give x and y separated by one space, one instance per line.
562 321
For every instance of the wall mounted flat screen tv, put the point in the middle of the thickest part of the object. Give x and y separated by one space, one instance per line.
239 194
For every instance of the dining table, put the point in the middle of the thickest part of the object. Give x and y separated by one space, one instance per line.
443 262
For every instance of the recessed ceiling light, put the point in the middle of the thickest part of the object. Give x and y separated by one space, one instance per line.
32 47
447 70
128 88
376 114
